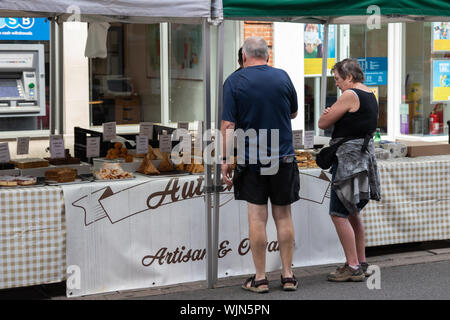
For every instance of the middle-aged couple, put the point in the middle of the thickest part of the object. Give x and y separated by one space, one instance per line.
262 97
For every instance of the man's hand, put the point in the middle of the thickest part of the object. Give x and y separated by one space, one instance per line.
326 110
227 173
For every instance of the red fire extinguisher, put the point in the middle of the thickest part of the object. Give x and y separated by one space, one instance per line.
434 123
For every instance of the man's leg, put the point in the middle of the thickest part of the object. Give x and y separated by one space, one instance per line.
285 234
257 221
347 237
358 229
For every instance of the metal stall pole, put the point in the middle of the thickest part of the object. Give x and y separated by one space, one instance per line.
208 179
53 78
323 89
60 72
217 155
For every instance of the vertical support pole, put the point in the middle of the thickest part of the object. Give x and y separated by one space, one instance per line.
164 71
217 169
323 92
208 180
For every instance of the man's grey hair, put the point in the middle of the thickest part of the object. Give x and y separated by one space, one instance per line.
256 47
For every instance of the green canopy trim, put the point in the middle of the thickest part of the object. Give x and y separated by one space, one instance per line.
322 8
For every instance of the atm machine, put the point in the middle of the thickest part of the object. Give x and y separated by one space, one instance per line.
22 85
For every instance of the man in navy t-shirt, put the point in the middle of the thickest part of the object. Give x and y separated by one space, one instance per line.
260 101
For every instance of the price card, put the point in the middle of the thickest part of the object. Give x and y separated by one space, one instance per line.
109 131
141 144
199 127
92 147
23 145
146 129
183 125
57 147
165 143
297 138
309 139
4 152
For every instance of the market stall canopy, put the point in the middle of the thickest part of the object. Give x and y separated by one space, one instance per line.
137 11
336 12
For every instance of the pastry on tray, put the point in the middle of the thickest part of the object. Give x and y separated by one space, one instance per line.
12 181
61 175
68 159
112 171
165 164
30 163
147 166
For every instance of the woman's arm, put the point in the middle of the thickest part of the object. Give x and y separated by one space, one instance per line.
346 102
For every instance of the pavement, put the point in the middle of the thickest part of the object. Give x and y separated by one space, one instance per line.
407 272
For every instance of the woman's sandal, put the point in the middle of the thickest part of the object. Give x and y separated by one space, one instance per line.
255 286
289 284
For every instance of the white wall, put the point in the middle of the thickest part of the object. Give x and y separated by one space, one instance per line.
288 55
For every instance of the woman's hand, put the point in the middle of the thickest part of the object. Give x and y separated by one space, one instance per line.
227 173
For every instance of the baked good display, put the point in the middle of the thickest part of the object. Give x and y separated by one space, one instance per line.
165 164
61 175
29 163
14 181
68 159
112 171
147 166
305 160
119 151
150 154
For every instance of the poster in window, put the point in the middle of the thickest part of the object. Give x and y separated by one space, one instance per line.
313 48
152 51
440 36
186 60
440 80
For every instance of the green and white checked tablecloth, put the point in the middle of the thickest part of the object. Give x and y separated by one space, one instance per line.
415 203
415 207
32 236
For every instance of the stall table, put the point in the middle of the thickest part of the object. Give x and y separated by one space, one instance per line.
106 223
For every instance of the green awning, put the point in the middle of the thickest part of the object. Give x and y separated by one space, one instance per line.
332 8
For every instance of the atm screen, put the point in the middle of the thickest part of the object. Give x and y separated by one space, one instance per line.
8 89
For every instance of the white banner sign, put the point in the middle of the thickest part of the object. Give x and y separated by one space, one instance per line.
151 232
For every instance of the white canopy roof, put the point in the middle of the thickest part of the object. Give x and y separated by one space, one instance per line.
148 11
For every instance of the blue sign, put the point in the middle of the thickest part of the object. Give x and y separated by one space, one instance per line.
24 29
375 70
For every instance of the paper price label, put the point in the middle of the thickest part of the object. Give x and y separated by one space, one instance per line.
4 152
309 139
297 138
57 147
23 145
146 129
109 131
141 144
183 125
92 147
165 143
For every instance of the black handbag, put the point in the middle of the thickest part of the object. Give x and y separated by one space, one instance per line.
327 155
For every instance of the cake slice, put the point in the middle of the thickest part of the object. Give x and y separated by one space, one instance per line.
61 175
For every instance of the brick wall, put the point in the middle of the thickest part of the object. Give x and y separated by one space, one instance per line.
260 29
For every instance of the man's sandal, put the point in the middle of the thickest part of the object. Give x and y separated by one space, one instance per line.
289 284
255 286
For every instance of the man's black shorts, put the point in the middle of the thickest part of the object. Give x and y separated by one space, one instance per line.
282 188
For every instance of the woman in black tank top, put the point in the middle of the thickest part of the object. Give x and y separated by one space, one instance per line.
354 114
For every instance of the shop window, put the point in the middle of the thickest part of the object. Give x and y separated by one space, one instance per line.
185 72
24 90
125 86
425 107
313 52
370 48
